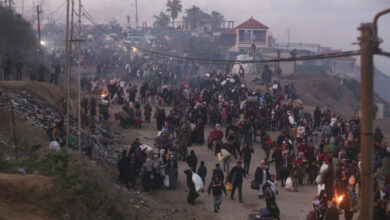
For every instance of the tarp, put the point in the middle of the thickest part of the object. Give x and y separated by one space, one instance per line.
248 67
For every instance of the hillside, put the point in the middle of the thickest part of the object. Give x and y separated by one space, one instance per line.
381 83
333 92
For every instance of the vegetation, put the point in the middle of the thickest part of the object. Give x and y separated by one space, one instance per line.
216 20
82 190
174 7
17 36
161 21
193 15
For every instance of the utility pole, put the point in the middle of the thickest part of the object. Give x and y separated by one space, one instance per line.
22 7
79 76
66 44
14 129
39 24
69 64
136 13
367 110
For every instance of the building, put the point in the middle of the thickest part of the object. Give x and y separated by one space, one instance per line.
248 33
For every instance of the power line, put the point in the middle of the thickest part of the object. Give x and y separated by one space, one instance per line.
204 60
55 11
383 53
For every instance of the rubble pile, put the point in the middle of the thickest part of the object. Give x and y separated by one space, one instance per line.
42 116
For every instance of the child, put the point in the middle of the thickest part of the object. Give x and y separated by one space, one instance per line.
273 184
202 172
217 186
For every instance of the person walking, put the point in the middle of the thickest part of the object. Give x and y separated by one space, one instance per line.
171 170
192 194
217 187
246 154
133 170
57 70
261 177
7 65
19 68
192 161
202 172
236 177
218 172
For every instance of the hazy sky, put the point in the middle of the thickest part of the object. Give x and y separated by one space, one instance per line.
328 22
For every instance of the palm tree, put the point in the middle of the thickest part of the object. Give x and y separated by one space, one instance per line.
174 7
216 20
192 16
161 21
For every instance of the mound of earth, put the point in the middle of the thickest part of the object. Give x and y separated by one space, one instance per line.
25 197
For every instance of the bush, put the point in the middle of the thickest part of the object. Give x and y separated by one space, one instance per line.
51 163
5 165
83 191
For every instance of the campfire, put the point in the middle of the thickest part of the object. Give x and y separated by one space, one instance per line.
339 199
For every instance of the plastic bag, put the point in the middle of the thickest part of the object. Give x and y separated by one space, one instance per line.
198 182
255 185
54 146
320 187
289 183
319 179
228 186
166 181
223 155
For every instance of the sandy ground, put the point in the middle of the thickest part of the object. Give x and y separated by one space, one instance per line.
292 205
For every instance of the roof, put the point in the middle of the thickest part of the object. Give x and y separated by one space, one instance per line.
252 24
347 58
229 32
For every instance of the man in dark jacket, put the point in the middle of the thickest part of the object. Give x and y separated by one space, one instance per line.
202 172
261 177
246 154
171 170
217 186
7 65
19 69
192 194
218 172
236 177
123 166
332 213
192 161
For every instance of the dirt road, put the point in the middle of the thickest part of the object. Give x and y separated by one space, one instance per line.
292 205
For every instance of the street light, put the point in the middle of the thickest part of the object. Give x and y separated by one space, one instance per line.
43 43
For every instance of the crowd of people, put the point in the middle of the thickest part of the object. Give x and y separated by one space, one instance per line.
320 147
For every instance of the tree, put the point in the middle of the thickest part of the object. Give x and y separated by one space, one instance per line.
216 20
192 16
174 7
161 21
16 35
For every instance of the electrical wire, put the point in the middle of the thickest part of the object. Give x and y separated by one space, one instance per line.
204 60
383 53
55 11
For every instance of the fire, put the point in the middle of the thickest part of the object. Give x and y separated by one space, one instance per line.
340 198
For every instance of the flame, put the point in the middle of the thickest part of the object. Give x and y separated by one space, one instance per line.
339 199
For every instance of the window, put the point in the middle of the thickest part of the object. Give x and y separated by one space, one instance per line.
245 35
259 36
